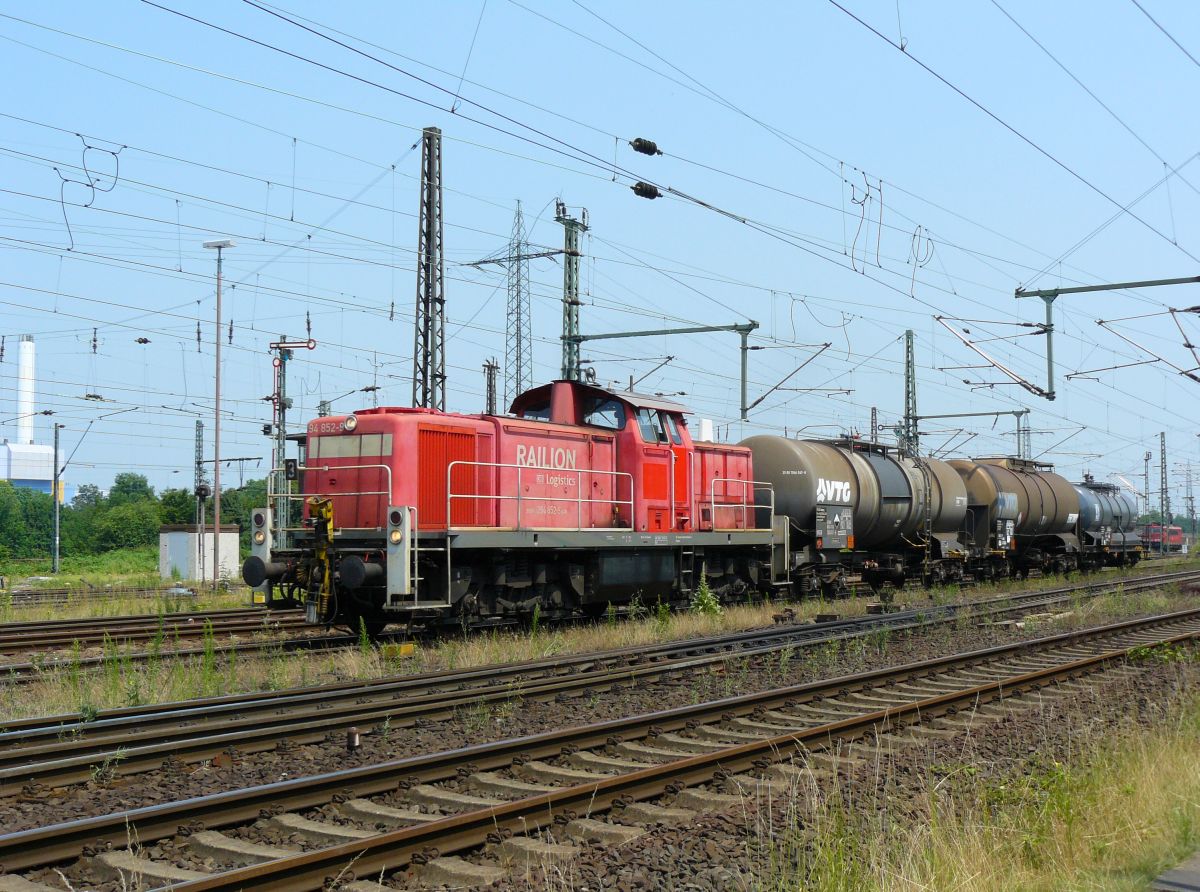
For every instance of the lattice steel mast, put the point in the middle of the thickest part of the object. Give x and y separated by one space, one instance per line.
429 340
1164 495
909 437
518 342
572 228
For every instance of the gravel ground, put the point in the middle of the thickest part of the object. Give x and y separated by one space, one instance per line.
731 851
100 796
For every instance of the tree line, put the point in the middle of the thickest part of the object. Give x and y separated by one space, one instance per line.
127 516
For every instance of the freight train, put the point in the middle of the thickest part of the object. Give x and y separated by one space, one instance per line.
584 497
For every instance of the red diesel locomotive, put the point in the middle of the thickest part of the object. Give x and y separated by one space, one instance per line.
580 498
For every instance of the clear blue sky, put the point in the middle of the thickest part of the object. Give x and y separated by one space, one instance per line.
792 116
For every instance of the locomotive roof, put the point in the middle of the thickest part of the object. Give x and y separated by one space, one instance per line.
638 400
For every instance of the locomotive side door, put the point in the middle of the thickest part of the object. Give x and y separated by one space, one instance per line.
681 472
656 476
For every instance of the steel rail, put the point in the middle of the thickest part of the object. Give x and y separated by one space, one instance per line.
195 625
89 622
20 672
58 842
30 671
569 662
63 754
397 849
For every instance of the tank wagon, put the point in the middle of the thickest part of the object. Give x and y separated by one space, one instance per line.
583 497
864 509
857 507
1107 525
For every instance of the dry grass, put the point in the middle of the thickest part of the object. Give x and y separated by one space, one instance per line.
85 604
164 679
1125 809
121 683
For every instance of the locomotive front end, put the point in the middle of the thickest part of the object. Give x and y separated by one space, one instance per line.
336 537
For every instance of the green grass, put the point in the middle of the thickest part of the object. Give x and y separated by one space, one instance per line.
123 567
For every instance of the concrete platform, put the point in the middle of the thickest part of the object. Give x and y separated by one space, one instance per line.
1184 878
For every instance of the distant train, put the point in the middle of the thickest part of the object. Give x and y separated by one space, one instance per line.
583 497
1152 538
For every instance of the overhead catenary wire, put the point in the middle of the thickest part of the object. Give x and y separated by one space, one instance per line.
1017 133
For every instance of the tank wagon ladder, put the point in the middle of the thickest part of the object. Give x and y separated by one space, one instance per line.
927 517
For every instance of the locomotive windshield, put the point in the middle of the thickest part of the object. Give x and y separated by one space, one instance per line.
648 423
350 446
606 413
537 411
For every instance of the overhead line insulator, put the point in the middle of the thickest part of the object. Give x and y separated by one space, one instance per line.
645 146
645 190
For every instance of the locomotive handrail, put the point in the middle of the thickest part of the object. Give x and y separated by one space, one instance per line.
743 505
293 496
578 501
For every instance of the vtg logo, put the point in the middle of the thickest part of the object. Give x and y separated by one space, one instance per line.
832 490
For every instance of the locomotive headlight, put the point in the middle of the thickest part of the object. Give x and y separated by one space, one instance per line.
395 536
259 537
350 423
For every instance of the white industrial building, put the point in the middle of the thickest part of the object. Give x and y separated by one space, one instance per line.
23 461
184 552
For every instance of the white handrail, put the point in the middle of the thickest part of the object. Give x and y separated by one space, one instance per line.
743 505
578 500
300 496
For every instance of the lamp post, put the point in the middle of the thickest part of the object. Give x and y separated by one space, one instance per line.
54 494
220 245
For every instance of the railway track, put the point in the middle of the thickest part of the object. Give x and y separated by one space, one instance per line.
29 670
38 596
52 751
23 637
535 799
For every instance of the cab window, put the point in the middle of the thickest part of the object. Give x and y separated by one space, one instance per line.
537 412
605 413
669 424
649 426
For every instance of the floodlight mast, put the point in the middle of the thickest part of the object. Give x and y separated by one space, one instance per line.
219 245
1049 295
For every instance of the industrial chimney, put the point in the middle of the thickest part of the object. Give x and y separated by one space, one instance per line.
25 390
